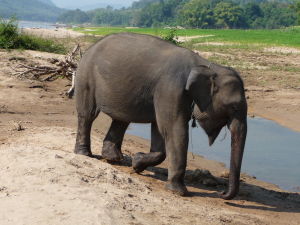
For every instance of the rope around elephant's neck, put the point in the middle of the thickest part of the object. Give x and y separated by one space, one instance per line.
194 124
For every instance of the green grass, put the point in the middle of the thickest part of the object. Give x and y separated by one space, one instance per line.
31 42
11 38
278 37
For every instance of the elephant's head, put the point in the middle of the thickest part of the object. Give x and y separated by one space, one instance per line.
220 100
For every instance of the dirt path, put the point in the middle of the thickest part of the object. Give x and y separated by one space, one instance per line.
43 182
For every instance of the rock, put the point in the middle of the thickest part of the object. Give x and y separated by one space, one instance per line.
17 126
201 176
17 58
210 182
3 188
58 157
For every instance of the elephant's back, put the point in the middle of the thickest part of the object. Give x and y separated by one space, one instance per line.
129 50
128 56
124 70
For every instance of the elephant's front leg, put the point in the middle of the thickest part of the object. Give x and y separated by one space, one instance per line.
111 149
157 153
177 146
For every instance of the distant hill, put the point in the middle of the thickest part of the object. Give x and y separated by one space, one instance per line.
49 2
91 4
100 5
143 3
34 10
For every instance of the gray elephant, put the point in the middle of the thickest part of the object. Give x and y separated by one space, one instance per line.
144 79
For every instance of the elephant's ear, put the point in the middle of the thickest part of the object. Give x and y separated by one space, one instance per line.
200 86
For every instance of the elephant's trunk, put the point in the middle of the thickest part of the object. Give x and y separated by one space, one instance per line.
238 128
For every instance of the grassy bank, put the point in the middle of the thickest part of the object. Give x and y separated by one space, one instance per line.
279 37
12 38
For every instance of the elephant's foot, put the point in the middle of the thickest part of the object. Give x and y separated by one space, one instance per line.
177 188
110 152
137 162
83 150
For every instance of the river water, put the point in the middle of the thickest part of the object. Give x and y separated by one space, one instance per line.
272 152
36 24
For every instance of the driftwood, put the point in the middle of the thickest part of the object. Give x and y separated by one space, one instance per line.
61 69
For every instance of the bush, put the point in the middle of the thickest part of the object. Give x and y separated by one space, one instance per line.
8 34
40 44
11 38
171 36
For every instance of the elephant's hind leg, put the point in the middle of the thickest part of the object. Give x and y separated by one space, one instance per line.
111 149
83 140
157 153
87 112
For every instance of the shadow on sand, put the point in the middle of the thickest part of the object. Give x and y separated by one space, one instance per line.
264 198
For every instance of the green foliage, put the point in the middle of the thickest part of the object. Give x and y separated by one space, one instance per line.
276 15
110 16
196 13
74 16
229 15
39 44
171 36
159 13
8 33
296 7
10 38
205 14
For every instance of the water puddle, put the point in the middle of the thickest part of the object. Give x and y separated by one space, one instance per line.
272 152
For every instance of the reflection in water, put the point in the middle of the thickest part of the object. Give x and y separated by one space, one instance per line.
272 152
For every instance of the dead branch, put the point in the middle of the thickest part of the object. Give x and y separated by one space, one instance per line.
61 68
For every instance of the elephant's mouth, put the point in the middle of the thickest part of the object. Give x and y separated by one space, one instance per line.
211 128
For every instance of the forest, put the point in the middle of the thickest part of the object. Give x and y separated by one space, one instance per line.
205 14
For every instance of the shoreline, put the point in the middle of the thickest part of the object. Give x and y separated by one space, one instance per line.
275 118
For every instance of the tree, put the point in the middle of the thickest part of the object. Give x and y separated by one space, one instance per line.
278 15
296 7
298 11
74 16
196 13
229 15
151 15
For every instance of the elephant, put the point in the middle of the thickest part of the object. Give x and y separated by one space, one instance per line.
138 78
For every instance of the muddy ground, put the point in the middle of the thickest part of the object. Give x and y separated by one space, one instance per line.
43 182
